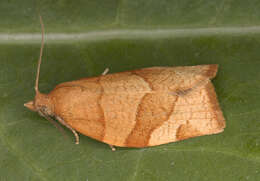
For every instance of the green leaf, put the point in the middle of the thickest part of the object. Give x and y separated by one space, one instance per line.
85 37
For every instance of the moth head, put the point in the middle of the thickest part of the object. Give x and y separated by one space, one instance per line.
41 103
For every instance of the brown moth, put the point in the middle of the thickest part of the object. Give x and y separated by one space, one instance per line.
138 108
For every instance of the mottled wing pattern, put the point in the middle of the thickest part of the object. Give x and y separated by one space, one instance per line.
120 102
179 117
194 115
145 107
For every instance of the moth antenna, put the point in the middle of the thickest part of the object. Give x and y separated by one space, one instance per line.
40 58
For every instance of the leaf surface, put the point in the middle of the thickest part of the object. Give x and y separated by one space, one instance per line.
85 37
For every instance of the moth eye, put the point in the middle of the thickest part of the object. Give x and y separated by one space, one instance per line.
43 109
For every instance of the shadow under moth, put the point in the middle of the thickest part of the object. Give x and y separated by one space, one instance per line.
137 108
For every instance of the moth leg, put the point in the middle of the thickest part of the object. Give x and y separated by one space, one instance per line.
105 71
71 129
57 125
112 147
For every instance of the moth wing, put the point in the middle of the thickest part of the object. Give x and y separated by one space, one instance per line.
135 108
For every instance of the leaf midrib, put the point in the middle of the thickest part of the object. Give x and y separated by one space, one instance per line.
128 34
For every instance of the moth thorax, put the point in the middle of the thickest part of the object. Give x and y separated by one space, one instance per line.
43 103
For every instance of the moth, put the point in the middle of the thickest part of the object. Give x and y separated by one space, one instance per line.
137 108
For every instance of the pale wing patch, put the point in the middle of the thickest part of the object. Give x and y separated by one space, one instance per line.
166 132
